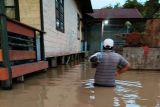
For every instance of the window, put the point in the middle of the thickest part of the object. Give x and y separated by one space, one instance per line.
78 22
60 15
11 9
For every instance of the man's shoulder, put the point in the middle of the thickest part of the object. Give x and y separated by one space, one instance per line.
115 54
98 53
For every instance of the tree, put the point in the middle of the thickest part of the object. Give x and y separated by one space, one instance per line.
151 9
107 7
157 14
133 4
111 7
117 5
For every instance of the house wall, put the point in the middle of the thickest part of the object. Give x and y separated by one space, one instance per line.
143 58
58 43
29 11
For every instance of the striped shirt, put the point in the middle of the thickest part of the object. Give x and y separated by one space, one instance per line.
108 63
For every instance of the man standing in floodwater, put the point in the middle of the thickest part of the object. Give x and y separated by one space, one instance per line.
109 65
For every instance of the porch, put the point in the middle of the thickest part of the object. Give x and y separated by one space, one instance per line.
21 50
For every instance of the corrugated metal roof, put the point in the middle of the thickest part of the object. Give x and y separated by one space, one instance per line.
115 13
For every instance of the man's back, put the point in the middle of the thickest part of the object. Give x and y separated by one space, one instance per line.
109 61
109 64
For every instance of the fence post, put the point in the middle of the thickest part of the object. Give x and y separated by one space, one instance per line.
6 84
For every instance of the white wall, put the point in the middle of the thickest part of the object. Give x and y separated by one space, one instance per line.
58 43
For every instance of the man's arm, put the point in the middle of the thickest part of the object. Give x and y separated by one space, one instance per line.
123 66
94 57
122 70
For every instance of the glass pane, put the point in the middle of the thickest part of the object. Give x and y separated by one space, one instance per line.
57 14
61 9
78 21
62 26
61 17
10 12
57 4
57 23
61 1
9 3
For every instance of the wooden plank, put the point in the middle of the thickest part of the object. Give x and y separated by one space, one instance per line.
23 69
25 25
3 73
21 55
1 55
19 29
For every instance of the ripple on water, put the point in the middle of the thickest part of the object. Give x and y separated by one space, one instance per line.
89 83
129 83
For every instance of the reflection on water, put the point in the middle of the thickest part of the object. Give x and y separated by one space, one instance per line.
72 86
125 90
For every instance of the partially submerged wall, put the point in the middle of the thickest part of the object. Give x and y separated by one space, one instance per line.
143 57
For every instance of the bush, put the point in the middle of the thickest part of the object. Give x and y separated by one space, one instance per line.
133 39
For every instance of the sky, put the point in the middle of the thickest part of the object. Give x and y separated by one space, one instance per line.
97 4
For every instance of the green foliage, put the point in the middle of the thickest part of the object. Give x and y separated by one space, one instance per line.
148 10
157 14
108 7
133 4
117 6
111 7
151 8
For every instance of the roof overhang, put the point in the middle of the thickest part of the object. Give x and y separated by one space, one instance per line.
84 6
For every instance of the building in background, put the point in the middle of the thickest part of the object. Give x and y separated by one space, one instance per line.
119 22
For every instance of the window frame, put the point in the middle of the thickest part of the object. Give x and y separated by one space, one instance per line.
59 14
78 22
16 9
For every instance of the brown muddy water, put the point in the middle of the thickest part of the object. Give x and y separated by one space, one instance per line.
72 86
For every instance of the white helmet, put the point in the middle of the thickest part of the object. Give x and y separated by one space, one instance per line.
108 42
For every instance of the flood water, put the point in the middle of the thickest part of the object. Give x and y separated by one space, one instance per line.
72 86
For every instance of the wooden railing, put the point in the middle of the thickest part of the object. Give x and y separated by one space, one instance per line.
15 55
18 52
21 41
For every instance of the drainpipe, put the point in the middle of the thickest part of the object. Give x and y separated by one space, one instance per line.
42 33
7 84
